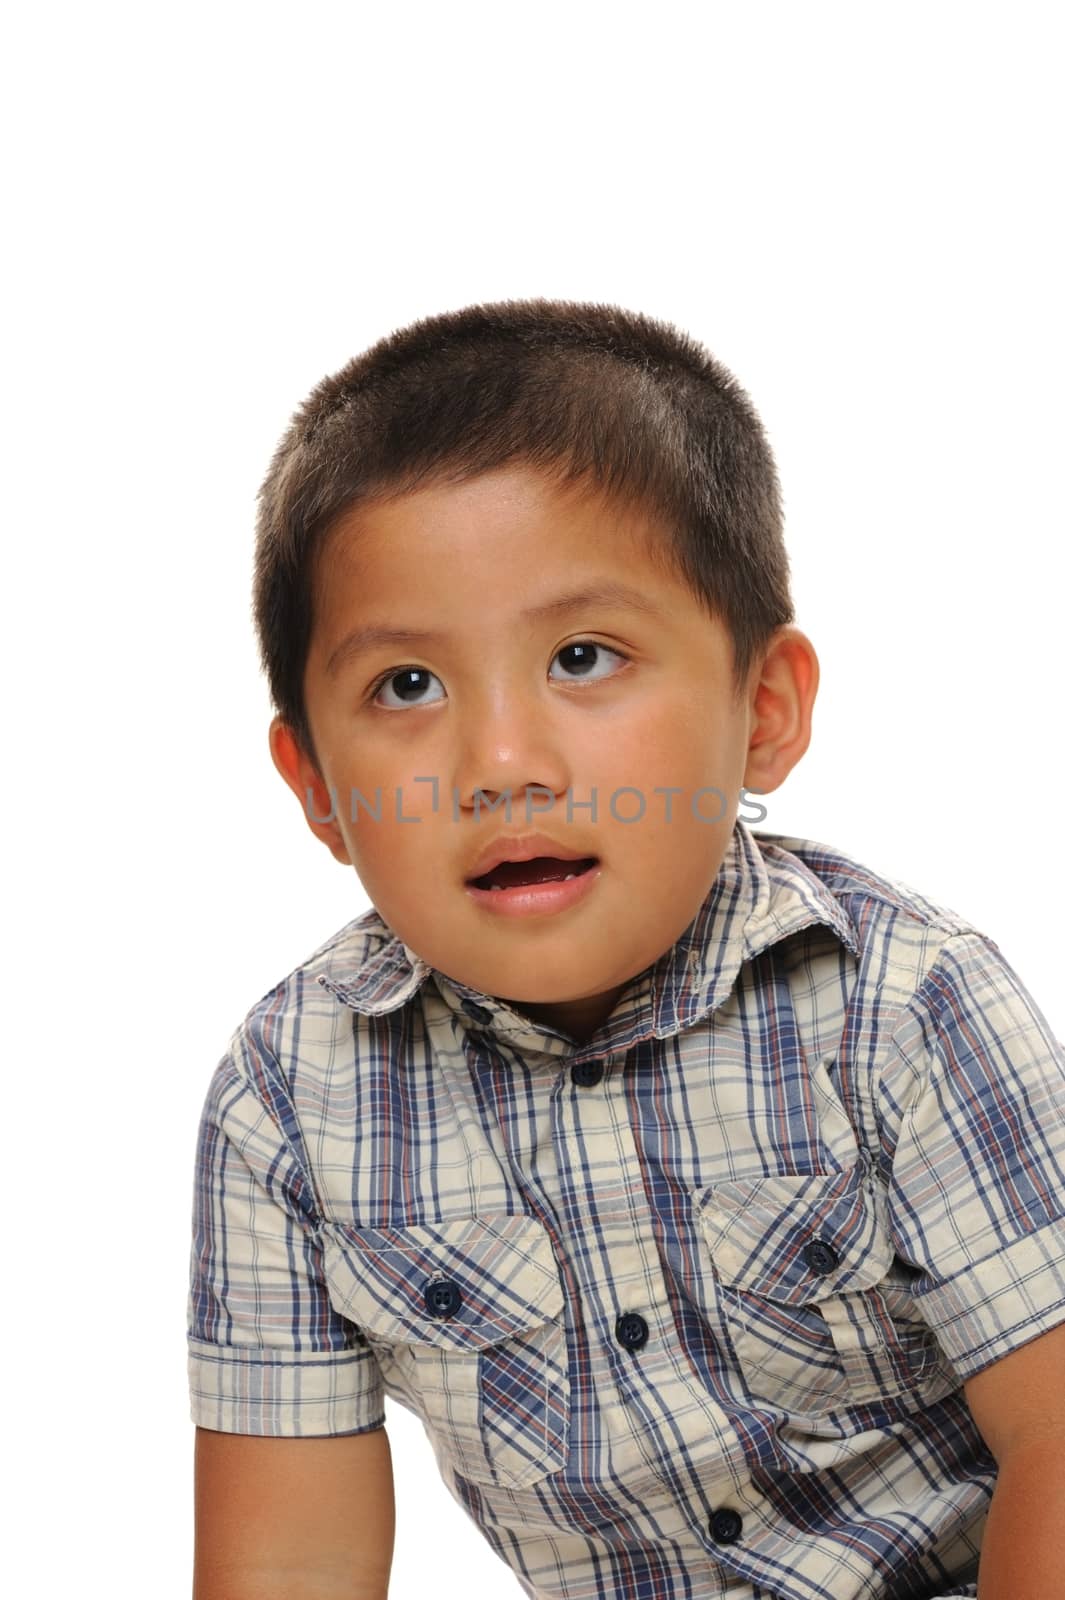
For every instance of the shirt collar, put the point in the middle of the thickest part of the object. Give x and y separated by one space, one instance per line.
762 893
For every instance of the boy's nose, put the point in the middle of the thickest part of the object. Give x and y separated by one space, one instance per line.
510 748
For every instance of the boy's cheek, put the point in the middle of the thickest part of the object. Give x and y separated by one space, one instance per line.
401 859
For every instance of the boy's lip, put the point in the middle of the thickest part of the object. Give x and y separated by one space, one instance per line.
537 899
523 847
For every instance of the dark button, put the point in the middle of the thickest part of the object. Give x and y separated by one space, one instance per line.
820 1257
726 1526
588 1073
442 1298
631 1331
478 1013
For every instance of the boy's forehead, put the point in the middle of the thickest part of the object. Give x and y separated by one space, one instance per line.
556 525
511 548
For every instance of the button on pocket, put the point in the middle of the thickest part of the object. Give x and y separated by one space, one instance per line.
801 1265
631 1331
820 1257
470 1310
443 1299
726 1526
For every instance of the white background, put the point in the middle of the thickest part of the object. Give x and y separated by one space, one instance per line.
856 207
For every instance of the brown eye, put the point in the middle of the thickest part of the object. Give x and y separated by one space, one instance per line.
584 656
409 687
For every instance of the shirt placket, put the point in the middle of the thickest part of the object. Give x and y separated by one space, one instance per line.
667 1435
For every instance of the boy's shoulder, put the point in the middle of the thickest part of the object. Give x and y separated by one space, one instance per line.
363 964
882 913
865 891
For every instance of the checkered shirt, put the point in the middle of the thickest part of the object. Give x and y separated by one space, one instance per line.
685 1308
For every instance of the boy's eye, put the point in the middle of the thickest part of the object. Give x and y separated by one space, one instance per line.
584 657
411 683
408 684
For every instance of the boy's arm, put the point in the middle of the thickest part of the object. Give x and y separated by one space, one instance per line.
293 1519
1018 1403
293 1475
972 1111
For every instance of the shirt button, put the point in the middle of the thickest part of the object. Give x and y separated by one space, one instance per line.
631 1331
588 1073
442 1298
726 1526
820 1257
478 1013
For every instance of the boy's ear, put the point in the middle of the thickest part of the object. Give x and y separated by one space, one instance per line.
306 782
783 693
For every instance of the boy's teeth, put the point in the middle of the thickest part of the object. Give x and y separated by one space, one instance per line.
542 869
566 879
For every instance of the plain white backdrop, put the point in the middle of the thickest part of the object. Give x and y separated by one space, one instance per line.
209 207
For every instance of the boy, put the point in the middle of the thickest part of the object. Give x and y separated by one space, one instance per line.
701 1190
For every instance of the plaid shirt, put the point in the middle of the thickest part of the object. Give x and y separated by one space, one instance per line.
685 1309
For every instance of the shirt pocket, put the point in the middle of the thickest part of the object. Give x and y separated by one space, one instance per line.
811 1297
470 1314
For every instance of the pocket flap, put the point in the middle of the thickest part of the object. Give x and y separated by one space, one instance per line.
796 1238
495 1276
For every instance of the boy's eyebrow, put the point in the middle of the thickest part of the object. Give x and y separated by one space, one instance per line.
370 636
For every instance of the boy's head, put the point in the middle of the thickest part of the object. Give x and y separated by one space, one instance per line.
454 485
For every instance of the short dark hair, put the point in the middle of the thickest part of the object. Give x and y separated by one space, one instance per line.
585 392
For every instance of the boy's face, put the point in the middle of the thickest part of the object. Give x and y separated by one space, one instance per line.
503 703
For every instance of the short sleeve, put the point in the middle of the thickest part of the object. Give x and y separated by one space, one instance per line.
267 1351
977 1187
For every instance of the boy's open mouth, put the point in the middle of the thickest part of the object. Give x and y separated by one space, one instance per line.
541 869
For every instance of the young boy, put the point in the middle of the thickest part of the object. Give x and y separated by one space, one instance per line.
700 1189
